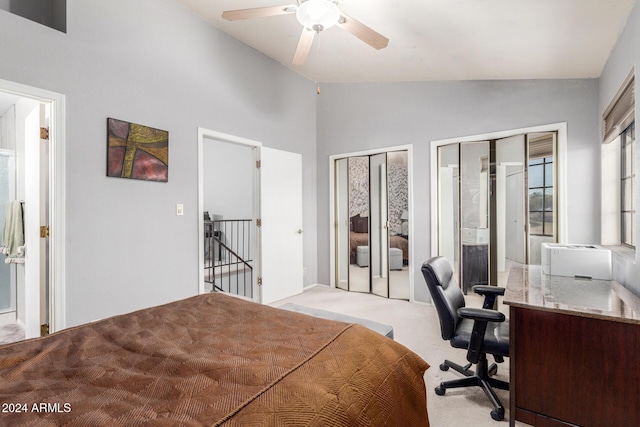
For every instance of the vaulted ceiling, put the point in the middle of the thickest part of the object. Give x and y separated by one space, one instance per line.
440 39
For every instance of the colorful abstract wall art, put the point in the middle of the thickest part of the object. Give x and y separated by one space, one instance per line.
137 152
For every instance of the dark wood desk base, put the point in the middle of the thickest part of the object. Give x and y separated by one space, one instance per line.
571 370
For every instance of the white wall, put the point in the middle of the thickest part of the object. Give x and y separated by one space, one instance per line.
364 116
8 129
624 57
228 177
155 63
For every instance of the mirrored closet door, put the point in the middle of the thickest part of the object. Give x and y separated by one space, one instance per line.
496 205
371 228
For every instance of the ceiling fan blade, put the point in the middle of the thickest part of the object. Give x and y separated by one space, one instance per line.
304 46
364 33
257 12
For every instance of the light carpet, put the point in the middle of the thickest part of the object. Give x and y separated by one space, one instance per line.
11 332
417 327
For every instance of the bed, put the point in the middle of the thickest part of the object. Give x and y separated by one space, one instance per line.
212 360
359 236
362 239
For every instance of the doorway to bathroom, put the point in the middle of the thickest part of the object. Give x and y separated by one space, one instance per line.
32 205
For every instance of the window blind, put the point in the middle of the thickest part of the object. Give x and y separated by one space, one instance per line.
621 111
541 146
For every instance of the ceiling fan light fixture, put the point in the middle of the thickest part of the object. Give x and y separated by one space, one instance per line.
318 15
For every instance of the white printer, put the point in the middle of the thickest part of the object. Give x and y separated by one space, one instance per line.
574 260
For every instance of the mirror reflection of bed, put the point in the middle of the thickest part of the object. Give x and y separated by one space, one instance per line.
398 261
372 233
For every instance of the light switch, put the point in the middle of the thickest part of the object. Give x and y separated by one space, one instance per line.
179 209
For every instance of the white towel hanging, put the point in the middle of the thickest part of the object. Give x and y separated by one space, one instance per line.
13 233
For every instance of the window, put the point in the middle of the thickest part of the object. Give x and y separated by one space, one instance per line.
541 196
627 186
618 208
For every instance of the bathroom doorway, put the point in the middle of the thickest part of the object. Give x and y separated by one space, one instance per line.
32 181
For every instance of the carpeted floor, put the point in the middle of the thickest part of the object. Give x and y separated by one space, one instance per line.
417 327
11 333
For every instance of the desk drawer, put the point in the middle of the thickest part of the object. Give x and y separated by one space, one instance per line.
537 420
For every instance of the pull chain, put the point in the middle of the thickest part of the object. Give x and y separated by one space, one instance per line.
318 46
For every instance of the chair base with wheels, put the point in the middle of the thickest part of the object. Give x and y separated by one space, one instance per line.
481 378
480 331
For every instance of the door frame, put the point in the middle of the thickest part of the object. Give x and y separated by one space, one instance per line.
332 217
560 128
57 186
231 139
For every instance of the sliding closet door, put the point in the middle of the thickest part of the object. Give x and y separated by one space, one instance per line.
510 201
474 213
359 274
342 223
398 218
503 193
379 233
449 205
542 198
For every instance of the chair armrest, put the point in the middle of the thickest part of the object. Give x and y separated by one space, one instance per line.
490 294
488 290
481 314
481 318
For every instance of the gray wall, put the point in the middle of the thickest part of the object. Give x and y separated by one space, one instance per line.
354 117
228 175
155 63
51 13
624 57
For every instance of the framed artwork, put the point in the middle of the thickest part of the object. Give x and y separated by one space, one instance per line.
136 151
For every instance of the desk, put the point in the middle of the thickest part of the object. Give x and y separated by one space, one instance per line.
574 351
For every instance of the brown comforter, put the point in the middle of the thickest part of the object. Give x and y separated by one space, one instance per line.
212 360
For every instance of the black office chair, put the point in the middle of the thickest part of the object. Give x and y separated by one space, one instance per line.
480 331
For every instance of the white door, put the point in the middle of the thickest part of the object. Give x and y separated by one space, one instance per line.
281 230
34 291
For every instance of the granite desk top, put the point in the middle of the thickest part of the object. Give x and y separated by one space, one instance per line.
529 287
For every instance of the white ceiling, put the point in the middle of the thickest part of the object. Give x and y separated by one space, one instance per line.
440 39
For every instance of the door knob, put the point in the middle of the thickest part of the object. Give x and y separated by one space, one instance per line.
299 231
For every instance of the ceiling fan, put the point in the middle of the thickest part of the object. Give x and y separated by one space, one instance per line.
315 16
